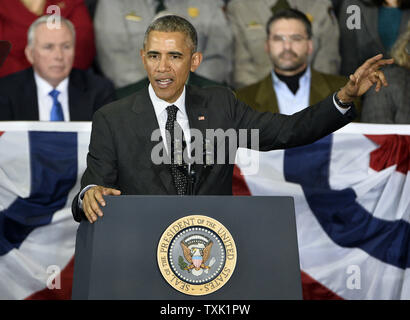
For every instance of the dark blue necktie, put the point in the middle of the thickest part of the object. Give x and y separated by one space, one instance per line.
56 113
178 167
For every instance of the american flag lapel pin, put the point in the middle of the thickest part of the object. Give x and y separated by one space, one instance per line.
200 118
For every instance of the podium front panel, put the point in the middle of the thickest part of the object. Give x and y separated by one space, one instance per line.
116 257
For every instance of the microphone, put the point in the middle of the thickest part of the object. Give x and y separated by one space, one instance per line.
192 170
199 171
192 181
186 167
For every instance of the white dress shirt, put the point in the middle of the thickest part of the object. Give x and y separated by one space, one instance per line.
160 108
290 103
45 101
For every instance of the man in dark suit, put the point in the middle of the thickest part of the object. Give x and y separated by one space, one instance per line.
52 90
121 153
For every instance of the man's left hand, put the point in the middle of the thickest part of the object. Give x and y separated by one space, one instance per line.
364 78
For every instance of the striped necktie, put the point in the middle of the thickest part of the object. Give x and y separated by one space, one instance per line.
56 113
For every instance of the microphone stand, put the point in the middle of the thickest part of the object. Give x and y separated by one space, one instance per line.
192 173
191 176
192 181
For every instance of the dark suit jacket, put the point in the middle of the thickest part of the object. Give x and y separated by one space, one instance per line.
120 146
262 97
86 93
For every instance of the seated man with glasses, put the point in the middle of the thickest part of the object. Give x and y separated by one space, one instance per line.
292 85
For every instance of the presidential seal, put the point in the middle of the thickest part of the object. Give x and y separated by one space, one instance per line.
196 255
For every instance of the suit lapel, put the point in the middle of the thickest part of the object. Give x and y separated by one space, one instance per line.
147 123
318 88
266 96
196 110
28 108
78 102
198 119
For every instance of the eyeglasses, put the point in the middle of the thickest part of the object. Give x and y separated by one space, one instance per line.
293 38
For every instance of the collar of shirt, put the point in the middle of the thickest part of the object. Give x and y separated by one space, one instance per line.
288 102
303 80
160 106
45 102
161 113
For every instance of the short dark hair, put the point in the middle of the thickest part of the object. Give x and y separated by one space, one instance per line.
290 14
173 23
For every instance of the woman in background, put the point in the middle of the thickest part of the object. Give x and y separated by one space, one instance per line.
392 105
381 23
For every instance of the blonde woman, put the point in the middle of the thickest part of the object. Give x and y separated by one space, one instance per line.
392 105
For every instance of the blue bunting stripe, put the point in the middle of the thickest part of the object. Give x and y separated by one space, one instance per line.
344 220
53 166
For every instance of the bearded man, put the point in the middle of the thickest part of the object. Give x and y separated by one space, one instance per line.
293 84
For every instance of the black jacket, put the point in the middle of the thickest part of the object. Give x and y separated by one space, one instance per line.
87 92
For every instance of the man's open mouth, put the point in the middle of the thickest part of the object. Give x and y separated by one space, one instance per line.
164 83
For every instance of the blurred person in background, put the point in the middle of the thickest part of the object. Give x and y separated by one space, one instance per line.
248 20
17 15
392 105
369 27
120 27
292 84
51 90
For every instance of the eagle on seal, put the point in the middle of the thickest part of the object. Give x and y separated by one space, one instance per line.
197 256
